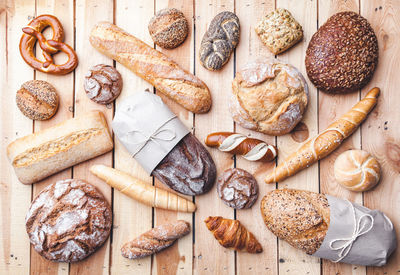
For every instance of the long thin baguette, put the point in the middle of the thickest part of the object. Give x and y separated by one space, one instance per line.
39 155
141 191
326 142
151 65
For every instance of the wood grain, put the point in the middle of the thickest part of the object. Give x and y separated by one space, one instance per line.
380 134
250 47
210 257
130 217
327 114
14 196
88 13
178 259
292 260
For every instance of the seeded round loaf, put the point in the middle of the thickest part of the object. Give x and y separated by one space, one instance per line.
168 28
343 54
37 99
68 221
268 97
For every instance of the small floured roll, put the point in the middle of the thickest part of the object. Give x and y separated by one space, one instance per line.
357 170
268 97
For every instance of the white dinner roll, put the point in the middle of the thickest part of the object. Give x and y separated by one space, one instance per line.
357 170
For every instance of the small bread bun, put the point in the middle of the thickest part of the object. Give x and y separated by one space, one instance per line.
357 170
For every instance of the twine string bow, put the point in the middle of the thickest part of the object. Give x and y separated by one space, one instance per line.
361 227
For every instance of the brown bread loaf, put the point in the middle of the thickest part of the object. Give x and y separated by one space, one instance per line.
299 217
153 66
155 240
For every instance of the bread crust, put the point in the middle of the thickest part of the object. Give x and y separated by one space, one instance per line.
153 66
39 155
299 217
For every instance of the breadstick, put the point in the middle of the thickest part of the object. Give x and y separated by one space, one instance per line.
251 148
141 191
326 142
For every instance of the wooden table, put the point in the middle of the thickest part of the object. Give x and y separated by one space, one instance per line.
197 253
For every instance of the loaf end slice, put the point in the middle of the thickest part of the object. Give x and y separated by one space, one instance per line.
299 217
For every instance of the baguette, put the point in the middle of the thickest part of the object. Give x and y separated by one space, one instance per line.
141 191
299 217
153 66
39 155
326 142
155 240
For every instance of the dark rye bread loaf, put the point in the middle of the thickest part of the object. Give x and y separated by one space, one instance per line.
219 41
299 217
68 221
188 168
343 54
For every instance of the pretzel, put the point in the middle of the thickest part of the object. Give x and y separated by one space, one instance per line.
33 33
252 149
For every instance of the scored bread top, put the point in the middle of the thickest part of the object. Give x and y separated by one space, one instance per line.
299 217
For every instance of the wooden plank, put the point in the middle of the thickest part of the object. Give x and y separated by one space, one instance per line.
327 114
178 259
380 134
251 48
64 11
210 257
14 196
291 260
130 217
88 13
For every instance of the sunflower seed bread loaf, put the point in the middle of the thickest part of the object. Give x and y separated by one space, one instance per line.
219 41
299 217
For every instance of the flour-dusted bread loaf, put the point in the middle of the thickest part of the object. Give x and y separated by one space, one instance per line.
357 170
299 217
153 66
39 155
343 54
268 97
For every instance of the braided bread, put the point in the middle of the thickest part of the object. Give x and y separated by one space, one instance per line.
252 149
232 234
219 41
326 142
155 240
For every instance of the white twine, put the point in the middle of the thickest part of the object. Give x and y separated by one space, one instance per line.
153 137
360 229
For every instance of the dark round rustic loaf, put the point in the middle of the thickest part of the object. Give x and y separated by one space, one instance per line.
37 99
188 168
168 28
103 83
219 41
68 221
237 188
343 54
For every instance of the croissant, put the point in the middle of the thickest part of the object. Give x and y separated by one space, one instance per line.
251 148
232 234
141 191
155 240
326 142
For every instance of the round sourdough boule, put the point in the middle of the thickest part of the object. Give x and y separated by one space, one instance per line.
168 28
268 97
68 221
357 170
37 99
237 188
103 84
343 54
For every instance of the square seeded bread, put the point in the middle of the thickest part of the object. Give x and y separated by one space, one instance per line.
279 31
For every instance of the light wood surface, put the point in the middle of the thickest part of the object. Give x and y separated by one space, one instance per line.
199 252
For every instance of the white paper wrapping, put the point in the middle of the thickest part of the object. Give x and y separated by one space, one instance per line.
366 238
147 128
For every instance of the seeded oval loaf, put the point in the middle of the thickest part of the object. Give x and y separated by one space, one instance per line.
299 217
343 54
